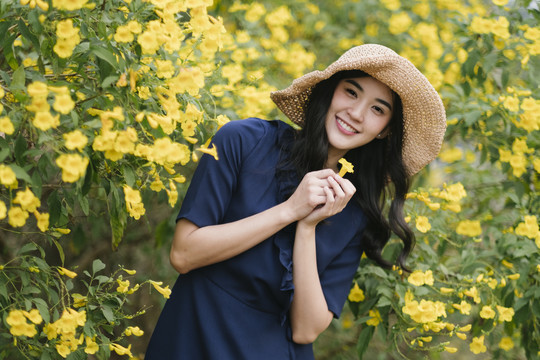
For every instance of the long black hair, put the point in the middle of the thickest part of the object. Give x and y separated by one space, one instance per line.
377 164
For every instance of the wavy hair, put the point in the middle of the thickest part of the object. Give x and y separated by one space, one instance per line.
381 171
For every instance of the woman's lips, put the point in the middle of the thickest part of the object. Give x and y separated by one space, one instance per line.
345 128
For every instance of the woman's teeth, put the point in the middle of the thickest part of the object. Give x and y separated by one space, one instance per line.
346 126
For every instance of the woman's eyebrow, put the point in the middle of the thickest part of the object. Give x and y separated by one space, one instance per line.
357 85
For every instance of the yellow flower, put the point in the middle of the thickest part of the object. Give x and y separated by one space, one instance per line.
3 210
79 300
473 293
399 23
123 286
44 120
451 155
123 34
422 224
17 216
356 294
120 350
18 326
37 89
500 2
7 176
375 318
75 140
6 126
470 228
346 167
464 307
255 11
149 43
28 201
507 264
136 331
91 346
42 220
529 228
34 316
505 314
519 164
477 345
166 292
487 312
451 350
66 272
506 343
73 166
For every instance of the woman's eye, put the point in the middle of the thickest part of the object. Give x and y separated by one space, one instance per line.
378 110
351 92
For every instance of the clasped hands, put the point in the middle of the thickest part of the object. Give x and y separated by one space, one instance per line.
319 195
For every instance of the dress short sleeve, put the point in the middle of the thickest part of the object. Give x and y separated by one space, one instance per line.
215 181
337 278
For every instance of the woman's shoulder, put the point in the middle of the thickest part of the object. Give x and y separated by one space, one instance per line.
249 132
253 126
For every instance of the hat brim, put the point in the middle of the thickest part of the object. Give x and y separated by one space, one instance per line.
424 116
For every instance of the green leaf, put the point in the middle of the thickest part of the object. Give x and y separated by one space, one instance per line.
55 208
27 248
129 175
106 55
97 266
20 147
20 173
108 313
3 291
118 226
18 80
109 80
83 203
363 341
4 153
60 251
27 34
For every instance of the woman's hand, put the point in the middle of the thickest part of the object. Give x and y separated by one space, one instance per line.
309 194
337 195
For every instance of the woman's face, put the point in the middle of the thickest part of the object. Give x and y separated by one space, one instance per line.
361 109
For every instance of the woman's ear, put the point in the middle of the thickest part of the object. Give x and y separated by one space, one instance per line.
384 133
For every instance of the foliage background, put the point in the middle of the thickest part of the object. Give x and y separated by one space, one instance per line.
475 291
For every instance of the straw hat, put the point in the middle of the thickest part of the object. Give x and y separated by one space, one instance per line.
424 116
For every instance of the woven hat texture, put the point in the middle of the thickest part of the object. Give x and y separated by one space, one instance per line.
424 117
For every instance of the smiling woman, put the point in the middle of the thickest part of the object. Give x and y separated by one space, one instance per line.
268 240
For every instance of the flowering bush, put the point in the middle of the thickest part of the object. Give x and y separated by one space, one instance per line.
102 104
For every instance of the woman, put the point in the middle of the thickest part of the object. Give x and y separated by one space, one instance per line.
269 236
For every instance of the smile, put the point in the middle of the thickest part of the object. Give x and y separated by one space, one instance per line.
345 128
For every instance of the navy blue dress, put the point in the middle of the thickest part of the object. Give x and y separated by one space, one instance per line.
239 308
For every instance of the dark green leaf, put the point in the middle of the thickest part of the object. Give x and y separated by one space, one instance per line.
55 208
20 147
27 34
60 251
83 203
363 341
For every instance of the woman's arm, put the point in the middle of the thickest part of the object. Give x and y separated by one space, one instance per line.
309 311
194 247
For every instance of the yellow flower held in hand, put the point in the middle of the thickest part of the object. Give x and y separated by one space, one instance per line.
346 167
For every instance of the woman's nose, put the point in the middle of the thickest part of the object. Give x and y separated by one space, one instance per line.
356 112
